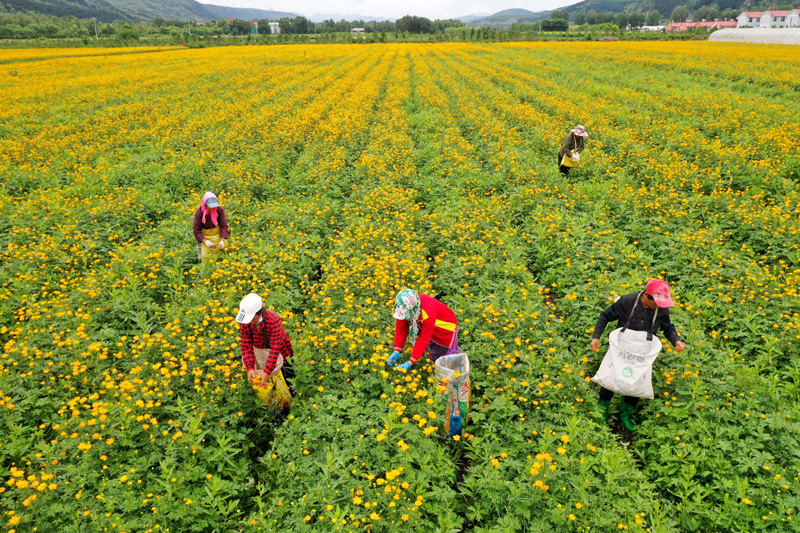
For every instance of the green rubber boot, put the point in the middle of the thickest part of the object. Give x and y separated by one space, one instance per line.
603 406
625 413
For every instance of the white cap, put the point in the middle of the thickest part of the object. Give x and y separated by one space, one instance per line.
250 305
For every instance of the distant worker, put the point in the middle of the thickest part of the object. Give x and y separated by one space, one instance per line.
266 347
571 148
431 325
637 312
210 227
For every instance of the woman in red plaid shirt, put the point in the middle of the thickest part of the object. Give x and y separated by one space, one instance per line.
266 348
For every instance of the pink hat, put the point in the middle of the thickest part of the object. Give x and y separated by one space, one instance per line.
659 290
580 131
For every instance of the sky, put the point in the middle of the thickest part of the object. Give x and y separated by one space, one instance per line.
394 8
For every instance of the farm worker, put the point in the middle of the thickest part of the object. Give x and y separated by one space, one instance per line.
655 296
266 348
572 146
431 325
210 227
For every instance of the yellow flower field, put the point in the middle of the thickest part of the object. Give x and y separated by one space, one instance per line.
349 172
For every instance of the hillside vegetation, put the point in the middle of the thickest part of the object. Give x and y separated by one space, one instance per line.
136 10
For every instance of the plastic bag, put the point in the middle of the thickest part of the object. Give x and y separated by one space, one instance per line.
453 374
568 161
276 391
627 367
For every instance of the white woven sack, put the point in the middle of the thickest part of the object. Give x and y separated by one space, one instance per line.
448 365
627 368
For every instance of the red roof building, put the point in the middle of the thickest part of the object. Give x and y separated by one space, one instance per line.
708 24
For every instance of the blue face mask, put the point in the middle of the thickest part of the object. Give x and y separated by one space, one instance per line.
260 319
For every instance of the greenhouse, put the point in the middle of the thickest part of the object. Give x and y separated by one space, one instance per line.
757 35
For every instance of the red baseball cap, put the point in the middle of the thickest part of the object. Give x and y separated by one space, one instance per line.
659 290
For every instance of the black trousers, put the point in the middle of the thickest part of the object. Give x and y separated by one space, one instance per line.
606 395
561 168
288 373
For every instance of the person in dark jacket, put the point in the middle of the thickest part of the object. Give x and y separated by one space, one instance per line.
210 227
643 304
571 146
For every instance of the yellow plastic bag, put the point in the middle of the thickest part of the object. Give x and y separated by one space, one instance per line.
275 392
567 161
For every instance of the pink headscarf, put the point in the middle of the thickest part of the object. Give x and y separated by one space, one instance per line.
206 210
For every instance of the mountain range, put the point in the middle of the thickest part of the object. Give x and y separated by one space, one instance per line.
507 17
138 10
466 19
141 10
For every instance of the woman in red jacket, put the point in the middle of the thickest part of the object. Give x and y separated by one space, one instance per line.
431 324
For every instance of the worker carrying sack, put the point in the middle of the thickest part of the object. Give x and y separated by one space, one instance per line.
455 388
627 367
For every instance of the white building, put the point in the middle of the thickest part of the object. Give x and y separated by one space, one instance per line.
357 30
274 28
768 19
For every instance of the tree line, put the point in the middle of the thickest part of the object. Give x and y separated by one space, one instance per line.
682 13
34 25
559 19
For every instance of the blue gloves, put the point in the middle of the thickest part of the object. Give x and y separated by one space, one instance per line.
393 359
